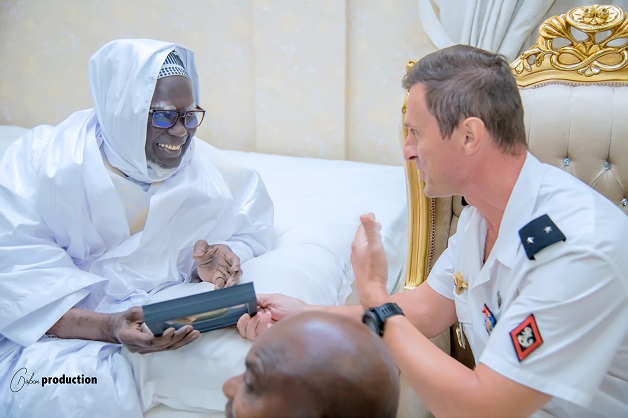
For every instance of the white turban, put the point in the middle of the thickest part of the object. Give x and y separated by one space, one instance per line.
122 77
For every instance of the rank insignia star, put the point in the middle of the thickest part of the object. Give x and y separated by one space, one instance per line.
459 282
539 234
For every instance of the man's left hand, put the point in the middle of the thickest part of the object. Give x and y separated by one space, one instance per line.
369 262
217 264
128 328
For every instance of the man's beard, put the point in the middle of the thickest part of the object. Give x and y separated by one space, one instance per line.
156 170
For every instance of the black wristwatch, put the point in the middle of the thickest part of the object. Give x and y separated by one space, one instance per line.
374 318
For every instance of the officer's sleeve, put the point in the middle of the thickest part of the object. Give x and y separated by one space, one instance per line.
564 328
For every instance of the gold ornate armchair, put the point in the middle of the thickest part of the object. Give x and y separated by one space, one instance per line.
574 86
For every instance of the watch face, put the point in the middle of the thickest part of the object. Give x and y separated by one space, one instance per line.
371 321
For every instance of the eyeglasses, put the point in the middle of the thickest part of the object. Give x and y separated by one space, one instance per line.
165 119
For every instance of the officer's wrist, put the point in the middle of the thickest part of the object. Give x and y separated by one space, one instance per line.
374 297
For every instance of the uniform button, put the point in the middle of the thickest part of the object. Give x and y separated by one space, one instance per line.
607 165
566 161
624 202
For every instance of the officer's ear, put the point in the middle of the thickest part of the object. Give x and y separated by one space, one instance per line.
473 133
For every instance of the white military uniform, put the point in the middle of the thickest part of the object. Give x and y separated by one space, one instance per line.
75 234
555 322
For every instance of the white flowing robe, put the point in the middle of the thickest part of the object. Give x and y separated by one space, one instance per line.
65 240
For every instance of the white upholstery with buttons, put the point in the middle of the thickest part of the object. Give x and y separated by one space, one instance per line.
584 131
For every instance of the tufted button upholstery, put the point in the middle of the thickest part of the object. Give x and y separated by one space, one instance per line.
582 129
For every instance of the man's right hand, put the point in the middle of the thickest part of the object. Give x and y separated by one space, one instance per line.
271 308
129 329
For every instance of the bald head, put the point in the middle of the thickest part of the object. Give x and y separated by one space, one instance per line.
316 364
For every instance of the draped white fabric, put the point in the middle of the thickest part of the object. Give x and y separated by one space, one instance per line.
500 26
65 239
118 107
309 260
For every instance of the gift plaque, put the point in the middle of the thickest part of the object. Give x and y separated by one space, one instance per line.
205 311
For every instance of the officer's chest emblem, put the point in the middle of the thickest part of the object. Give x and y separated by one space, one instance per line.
489 319
459 282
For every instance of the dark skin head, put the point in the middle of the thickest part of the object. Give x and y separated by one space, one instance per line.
171 93
315 364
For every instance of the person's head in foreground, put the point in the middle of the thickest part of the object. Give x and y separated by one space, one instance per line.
458 96
315 364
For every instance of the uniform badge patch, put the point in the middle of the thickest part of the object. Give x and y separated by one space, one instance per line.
526 337
489 319
538 234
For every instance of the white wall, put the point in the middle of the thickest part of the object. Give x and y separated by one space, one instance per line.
318 78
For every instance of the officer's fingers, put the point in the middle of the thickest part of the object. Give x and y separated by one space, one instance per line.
257 325
369 223
370 216
251 328
243 323
265 300
371 228
264 323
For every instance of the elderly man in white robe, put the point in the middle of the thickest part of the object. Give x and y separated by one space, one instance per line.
107 211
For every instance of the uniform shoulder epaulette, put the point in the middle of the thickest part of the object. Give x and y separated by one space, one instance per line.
538 234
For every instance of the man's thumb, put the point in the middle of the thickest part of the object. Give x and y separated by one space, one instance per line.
370 225
200 248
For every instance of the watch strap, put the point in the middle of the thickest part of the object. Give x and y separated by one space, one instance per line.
385 311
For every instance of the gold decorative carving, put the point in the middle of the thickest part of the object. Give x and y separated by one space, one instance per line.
418 217
586 44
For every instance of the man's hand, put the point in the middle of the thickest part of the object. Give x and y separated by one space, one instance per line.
271 308
129 329
217 264
369 262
